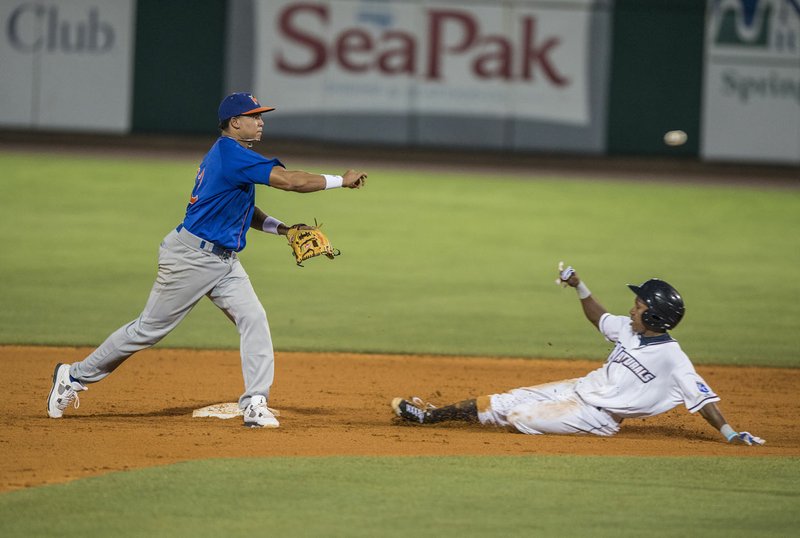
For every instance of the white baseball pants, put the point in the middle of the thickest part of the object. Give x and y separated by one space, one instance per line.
547 408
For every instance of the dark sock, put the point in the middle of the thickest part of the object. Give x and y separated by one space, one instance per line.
466 411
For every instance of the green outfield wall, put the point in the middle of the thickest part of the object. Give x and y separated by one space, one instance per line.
656 75
179 65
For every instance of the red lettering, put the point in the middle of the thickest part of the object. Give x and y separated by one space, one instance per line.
449 33
438 19
495 64
533 55
314 46
351 43
405 54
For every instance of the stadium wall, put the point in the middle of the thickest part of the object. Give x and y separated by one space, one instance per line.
566 76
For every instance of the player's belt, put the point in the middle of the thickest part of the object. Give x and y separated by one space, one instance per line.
198 242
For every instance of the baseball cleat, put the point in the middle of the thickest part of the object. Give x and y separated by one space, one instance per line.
414 411
63 393
258 415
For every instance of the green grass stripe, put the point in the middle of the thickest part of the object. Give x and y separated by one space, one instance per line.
421 496
443 263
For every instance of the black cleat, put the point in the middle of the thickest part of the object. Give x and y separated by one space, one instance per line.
415 410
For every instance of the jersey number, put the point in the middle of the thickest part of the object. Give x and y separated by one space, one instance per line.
197 181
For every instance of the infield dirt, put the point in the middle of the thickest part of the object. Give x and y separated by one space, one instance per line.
336 404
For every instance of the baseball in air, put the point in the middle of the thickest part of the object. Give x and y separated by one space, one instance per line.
675 138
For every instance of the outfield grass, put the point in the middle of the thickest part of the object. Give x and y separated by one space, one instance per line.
421 496
432 263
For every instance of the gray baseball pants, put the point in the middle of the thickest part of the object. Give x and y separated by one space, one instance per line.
188 270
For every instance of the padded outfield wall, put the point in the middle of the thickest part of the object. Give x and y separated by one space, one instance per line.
496 75
572 76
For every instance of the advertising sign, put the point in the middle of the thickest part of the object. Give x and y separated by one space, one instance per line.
525 60
66 64
752 81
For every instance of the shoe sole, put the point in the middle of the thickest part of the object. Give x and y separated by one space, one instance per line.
396 406
49 396
267 426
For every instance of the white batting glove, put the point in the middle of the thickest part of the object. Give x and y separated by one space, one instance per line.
564 274
746 438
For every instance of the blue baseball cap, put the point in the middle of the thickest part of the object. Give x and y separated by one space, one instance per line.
240 104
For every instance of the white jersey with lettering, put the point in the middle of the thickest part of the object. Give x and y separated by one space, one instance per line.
643 376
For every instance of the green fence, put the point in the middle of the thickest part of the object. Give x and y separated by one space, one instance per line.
656 75
179 65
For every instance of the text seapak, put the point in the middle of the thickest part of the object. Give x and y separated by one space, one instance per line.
394 51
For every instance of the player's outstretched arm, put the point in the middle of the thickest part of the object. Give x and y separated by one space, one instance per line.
300 181
713 416
591 308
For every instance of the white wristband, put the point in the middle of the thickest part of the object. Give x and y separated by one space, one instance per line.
271 225
583 291
332 182
728 432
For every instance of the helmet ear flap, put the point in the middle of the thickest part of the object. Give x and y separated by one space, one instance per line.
653 321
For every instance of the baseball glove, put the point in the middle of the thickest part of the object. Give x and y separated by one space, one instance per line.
308 242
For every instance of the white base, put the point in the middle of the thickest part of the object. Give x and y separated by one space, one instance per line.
224 410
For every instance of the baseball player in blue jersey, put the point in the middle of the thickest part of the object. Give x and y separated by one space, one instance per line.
199 258
646 374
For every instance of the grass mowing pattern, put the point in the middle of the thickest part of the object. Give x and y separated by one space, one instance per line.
421 496
442 263
445 263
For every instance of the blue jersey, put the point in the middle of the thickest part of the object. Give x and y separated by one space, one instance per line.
224 195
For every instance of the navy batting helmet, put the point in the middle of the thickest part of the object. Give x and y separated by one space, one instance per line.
665 305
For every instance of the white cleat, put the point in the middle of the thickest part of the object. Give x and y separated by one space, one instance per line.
258 415
63 393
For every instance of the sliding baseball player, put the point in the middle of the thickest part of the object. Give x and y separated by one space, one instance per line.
646 374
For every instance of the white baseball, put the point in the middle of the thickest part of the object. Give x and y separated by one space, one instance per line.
675 138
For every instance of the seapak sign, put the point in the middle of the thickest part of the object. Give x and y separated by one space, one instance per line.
495 59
